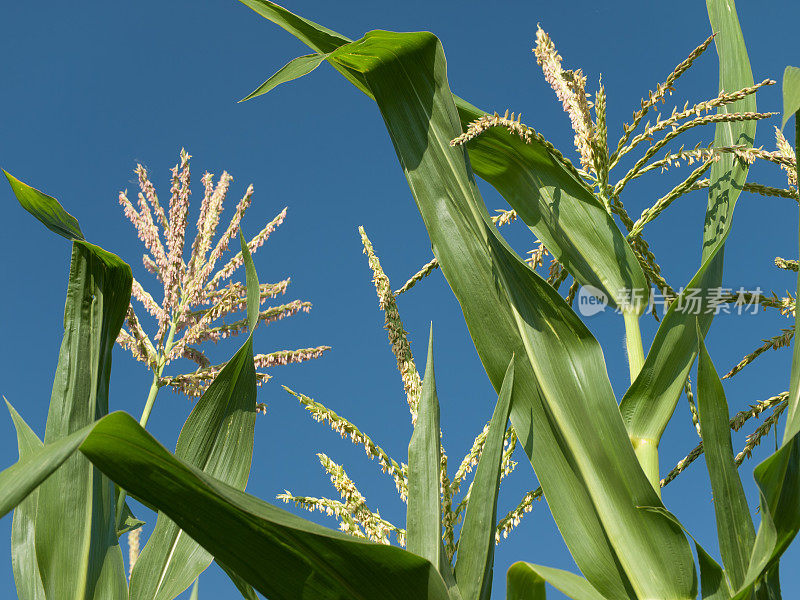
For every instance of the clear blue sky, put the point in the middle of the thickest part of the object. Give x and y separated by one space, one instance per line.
90 88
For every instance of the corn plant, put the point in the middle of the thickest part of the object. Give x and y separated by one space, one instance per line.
602 482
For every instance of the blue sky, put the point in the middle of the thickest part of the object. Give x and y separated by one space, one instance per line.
92 88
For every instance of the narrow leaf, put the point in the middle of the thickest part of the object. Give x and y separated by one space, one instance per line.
734 524
218 439
281 555
128 521
23 543
424 514
253 289
650 402
24 476
247 591
302 65
194 595
713 585
475 561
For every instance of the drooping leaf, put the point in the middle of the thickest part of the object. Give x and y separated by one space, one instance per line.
526 582
23 543
195 590
45 208
424 513
217 438
475 560
281 555
734 524
650 401
559 210
563 408
791 93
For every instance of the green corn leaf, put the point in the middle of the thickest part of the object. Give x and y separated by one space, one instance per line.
79 556
475 560
75 532
195 592
713 583
294 69
734 524
247 591
650 401
559 210
424 514
281 555
793 414
23 543
128 522
253 289
217 438
791 93
315 36
526 582
523 583
45 208
23 477
563 408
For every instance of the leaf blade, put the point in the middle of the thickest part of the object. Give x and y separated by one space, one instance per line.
23 541
791 93
475 560
734 525
46 209
424 513
281 555
294 69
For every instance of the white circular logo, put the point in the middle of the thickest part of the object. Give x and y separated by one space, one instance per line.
591 300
